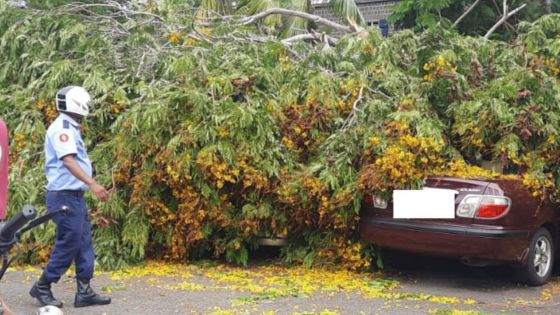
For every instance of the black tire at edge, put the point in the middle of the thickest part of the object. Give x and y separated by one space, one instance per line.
527 274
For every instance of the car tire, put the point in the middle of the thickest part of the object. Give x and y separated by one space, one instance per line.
540 260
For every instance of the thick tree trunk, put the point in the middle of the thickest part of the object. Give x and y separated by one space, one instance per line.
303 15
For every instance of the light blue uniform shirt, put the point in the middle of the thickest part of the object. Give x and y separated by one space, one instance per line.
64 138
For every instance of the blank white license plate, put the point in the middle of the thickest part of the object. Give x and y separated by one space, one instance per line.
429 203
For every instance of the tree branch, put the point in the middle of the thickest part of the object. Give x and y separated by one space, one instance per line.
466 13
315 36
505 16
352 117
21 4
114 5
317 19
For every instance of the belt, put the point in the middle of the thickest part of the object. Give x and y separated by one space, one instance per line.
67 192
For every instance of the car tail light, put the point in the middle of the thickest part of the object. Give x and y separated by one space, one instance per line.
468 206
493 207
484 207
375 201
379 202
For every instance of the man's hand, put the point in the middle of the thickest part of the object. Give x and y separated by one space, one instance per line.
99 191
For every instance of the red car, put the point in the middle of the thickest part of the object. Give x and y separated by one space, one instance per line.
495 221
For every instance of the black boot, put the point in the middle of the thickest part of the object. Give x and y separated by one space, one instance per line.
87 297
41 290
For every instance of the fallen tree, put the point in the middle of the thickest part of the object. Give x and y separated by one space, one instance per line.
214 140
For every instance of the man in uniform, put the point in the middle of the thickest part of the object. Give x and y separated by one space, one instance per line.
69 175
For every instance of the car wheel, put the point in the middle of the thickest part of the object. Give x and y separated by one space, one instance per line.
540 260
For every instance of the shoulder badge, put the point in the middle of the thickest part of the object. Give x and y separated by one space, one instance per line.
63 137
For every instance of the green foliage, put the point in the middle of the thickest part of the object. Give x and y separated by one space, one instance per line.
425 13
422 14
213 146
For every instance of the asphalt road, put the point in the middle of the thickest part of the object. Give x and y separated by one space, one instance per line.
423 285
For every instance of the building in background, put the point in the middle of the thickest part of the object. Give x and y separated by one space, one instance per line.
375 12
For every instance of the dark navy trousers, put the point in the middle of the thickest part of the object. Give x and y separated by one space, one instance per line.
73 240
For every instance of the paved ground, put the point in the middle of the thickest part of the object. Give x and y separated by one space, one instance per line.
414 285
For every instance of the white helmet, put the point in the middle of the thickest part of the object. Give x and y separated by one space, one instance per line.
49 310
73 99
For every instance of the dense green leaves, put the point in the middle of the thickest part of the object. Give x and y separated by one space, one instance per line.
213 146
